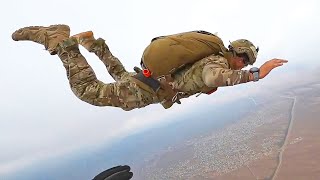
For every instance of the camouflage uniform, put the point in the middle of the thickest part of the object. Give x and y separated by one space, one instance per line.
123 93
208 73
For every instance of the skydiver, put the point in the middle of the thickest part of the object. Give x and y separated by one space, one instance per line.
136 89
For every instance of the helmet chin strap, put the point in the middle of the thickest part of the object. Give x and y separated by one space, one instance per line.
233 52
231 49
231 58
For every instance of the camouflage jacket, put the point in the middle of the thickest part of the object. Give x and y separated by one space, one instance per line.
208 73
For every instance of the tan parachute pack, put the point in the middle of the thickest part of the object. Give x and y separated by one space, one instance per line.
167 54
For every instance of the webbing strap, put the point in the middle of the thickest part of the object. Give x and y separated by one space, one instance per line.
151 82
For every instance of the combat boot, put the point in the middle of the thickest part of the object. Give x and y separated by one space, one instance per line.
47 36
86 39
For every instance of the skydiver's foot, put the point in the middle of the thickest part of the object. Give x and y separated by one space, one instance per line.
84 35
47 36
86 39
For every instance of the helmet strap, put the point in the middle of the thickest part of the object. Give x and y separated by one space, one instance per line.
228 55
231 49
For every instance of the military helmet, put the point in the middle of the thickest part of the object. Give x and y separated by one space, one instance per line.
243 46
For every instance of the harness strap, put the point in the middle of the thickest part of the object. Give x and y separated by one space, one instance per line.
151 82
161 87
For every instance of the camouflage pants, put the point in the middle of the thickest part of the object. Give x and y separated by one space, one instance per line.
123 93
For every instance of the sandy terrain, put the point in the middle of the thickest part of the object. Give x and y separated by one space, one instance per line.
277 141
299 157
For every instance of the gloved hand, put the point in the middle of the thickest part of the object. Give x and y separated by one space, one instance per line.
115 173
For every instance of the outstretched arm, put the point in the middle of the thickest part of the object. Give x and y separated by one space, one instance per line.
266 68
216 75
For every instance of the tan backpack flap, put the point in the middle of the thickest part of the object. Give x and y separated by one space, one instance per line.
208 41
166 54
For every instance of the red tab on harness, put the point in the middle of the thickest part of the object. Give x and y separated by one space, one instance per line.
146 73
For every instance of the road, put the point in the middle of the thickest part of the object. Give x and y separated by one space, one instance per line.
287 137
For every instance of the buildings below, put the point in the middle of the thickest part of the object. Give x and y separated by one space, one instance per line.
259 134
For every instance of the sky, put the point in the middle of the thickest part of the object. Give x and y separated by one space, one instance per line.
40 117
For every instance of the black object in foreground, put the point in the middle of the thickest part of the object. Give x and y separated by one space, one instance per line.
115 173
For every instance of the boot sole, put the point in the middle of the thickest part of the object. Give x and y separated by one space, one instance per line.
62 27
86 34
